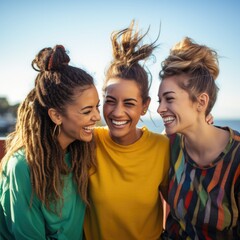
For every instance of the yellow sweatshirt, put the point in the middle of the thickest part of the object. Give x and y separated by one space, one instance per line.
124 191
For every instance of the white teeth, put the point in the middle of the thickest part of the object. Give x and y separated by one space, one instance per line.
168 119
89 128
119 122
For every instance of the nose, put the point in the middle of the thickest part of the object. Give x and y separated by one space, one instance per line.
96 115
118 110
161 108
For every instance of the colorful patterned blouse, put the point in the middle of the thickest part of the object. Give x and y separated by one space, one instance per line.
204 201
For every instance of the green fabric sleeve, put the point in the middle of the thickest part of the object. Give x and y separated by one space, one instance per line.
25 221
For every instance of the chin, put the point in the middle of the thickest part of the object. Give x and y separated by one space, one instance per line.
86 138
169 131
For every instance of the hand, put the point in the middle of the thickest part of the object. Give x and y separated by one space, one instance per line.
209 119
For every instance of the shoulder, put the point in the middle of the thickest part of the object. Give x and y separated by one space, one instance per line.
155 135
235 135
159 136
155 138
234 139
100 131
17 164
16 174
235 146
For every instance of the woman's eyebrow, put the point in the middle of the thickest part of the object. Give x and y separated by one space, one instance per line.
165 93
130 99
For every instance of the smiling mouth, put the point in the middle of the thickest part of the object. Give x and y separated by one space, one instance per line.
119 123
168 120
89 129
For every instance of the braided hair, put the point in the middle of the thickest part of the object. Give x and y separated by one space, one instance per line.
34 130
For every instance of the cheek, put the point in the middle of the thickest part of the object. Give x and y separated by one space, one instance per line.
74 123
135 114
106 109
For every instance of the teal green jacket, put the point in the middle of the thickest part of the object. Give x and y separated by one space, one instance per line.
21 221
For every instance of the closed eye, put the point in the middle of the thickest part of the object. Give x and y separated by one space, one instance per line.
169 99
87 112
109 101
130 103
90 109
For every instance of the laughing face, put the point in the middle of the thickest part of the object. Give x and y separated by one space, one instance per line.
122 109
80 118
178 112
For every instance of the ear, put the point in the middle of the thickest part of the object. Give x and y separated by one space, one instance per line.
145 106
55 116
203 100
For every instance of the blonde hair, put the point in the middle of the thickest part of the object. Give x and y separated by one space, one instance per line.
199 63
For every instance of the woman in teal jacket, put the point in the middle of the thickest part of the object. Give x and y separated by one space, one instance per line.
44 176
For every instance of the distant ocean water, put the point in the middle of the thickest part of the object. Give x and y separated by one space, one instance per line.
156 125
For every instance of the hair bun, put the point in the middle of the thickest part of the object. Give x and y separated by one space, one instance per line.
188 54
58 58
51 59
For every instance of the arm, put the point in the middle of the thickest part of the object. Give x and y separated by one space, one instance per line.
24 221
163 194
164 185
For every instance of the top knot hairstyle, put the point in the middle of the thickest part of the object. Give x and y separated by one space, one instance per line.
199 63
55 87
49 59
127 52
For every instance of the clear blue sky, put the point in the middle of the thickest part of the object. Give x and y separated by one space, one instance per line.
84 28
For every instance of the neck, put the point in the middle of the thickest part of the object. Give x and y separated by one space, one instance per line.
127 140
205 144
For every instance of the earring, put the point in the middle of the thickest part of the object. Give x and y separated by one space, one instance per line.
55 128
144 111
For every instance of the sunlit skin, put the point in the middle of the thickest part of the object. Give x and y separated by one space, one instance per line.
178 112
80 118
181 115
122 109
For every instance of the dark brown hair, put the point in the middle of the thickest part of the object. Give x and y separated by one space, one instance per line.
127 52
55 86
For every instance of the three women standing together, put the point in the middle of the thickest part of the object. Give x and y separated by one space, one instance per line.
132 164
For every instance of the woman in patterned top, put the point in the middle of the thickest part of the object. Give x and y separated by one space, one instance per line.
204 187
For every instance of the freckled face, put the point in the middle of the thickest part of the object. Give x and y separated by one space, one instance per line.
178 112
80 117
122 109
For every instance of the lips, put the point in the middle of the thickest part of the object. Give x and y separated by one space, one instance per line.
119 123
89 128
168 120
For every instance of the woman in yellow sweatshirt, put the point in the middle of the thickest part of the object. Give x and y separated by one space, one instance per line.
132 163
